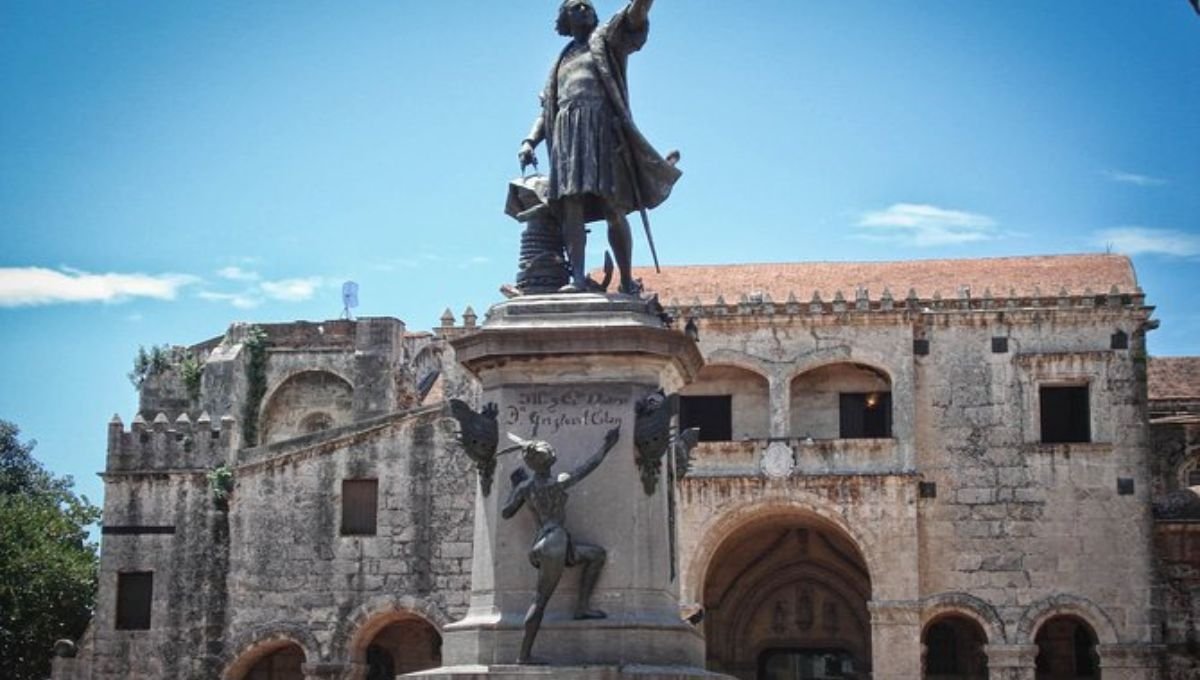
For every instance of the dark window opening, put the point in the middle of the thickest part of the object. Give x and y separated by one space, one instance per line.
941 656
1120 340
713 415
380 665
360 500
999 345
1193 477
865 415
135 590
1065 415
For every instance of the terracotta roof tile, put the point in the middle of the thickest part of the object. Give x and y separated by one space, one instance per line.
1174 377
1049 273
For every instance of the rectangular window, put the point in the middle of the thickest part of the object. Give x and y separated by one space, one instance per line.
1066 418
865 415
360 502
135 590
713 415
1193 478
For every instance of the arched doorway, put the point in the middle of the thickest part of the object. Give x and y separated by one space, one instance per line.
403 646
785 598
1067 650
282 663
954 649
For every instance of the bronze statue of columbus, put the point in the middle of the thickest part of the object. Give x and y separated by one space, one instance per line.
601 167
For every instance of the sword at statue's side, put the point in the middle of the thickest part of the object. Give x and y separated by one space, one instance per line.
636 182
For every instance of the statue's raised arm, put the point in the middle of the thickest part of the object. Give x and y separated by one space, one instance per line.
638 13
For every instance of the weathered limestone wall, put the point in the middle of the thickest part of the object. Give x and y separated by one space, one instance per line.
1033 529
291 572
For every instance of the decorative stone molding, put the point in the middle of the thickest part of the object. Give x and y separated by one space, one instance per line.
778 461
1011 656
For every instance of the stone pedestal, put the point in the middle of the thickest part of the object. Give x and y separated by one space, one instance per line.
566 369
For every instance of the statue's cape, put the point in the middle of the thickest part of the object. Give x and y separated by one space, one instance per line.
610 45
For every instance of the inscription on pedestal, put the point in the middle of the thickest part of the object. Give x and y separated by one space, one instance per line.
546 411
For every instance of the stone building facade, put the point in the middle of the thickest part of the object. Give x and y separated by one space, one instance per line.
938 469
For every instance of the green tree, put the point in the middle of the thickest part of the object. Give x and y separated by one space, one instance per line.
47 564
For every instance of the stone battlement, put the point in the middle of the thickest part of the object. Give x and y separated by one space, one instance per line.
162 445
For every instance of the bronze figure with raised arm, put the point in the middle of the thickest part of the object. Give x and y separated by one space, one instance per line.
600 165
553 550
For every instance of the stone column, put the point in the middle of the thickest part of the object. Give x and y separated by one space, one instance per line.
566 369
1011 662
895 639
780 396
324 670
1130 662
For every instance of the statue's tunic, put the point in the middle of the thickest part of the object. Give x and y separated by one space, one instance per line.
587 120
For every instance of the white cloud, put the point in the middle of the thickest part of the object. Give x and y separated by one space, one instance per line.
1147 241
1134 178
244 300
30 286
927 225
237 274
292 290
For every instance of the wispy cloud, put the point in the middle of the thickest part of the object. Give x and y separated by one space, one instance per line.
1134 178
1147 241
292 290
235 273
926 225
32 286
244 300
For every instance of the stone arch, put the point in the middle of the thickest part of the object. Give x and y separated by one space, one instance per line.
821 358
800 505
257 643
368 618
370 622
735 359
302 394
748 388
785 584
838 399
969 606
1189 464
1066 605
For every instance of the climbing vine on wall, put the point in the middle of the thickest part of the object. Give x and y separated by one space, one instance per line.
256 382
220 483
191 368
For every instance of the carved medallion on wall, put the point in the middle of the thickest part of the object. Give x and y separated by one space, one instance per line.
778 460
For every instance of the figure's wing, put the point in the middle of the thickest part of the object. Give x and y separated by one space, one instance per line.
684 443
479 431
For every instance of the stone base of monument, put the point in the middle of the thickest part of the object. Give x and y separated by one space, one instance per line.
567 369
632 671
564 641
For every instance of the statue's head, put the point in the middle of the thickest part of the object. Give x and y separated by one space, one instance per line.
539 456
573 14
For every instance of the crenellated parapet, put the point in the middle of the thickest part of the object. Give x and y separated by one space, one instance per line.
860 301
166 445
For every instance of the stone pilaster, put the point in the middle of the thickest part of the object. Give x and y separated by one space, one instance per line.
1011 662
324 670
1130 662
895 639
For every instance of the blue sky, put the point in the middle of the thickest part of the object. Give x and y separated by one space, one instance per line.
167 168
